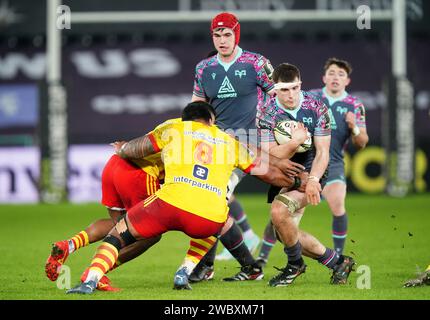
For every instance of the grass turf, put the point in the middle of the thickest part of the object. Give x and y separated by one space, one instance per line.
389 235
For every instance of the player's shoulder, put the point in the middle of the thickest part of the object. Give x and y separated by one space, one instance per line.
256 59
168 124
318 93
311 100
270 105
210 61
354 101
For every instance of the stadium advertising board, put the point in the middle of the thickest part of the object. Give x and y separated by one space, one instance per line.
19 173
123 91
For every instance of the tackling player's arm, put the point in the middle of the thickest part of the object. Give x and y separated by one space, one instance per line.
253 160
287 150
267 161
137 148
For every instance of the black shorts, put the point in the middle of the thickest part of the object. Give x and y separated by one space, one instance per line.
272 193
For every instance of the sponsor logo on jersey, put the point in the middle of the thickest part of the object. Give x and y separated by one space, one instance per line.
226 90
197 184
200 172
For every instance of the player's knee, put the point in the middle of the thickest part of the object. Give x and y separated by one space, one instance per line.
227 225
278 213
285 204
124 232
337 207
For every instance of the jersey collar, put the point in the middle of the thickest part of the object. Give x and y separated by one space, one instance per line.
332 100
289 111
227 65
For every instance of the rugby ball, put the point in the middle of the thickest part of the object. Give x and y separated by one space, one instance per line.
282 133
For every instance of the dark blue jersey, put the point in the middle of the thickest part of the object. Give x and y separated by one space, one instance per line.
338 108
235 89
312 113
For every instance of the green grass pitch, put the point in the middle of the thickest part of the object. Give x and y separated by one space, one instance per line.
387 236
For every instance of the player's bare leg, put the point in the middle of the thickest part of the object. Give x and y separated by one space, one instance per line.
285 209
122 235
93 233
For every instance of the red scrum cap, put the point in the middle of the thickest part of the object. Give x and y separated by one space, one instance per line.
227 20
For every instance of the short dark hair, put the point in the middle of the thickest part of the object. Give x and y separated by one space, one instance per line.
199 110
285 72
343 64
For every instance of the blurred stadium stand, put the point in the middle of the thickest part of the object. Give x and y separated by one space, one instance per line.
123 78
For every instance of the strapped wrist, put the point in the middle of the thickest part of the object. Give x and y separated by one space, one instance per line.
313 178
297 183
355 131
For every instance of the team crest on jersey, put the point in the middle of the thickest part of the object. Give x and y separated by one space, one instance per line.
213 75
226 90
200 172
240 73
307 120
342 110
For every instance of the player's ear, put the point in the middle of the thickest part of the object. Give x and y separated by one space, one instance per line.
324 79
348 81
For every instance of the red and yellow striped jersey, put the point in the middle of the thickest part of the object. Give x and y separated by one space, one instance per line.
198 161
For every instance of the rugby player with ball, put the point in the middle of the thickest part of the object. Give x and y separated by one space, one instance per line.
291 103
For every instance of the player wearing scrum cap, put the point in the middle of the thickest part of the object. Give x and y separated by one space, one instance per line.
288 206
235 82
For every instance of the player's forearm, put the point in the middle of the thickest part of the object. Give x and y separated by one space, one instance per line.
320 163
137 148
360 141
274 176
